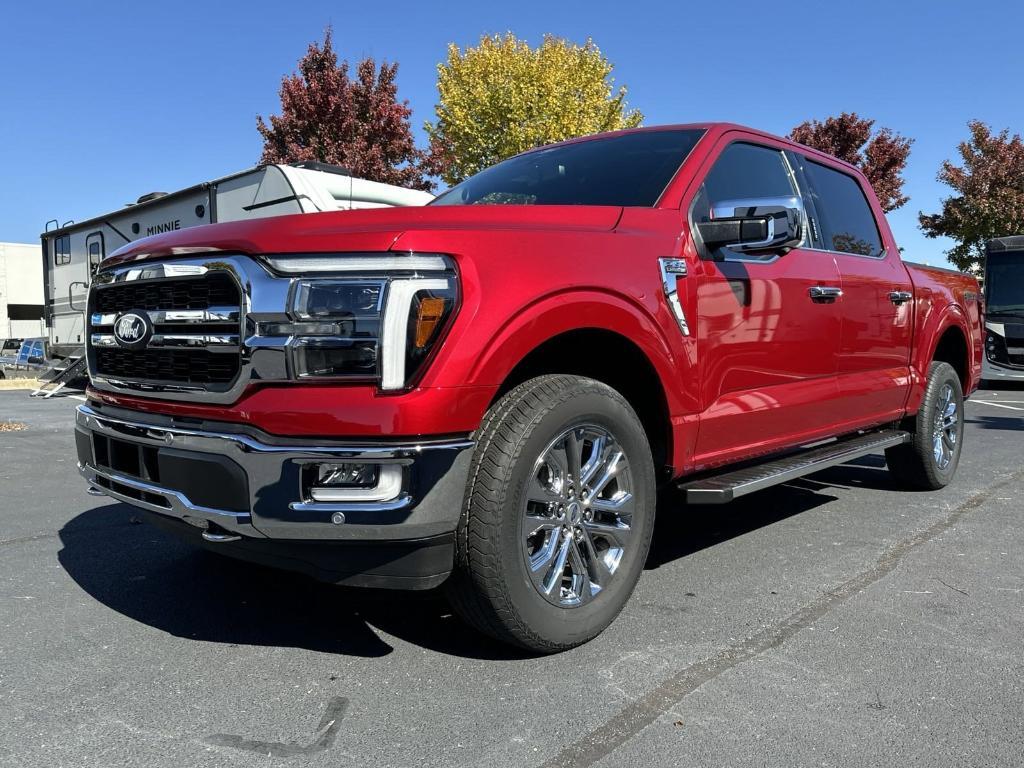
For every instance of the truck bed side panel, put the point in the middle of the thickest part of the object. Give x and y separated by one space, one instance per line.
944 300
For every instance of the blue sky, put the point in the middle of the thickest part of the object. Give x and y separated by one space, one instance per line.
102 102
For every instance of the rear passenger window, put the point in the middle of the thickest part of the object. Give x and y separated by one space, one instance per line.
847 224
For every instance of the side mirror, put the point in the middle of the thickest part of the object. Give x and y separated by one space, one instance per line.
754 224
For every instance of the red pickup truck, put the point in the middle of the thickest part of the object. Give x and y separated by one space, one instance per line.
487 392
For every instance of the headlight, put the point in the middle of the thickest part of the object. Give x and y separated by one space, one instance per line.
382 324
995 347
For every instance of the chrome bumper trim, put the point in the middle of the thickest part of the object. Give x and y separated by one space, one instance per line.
178 504
213 442
991 370
262 464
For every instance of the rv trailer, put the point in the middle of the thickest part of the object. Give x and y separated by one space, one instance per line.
73 251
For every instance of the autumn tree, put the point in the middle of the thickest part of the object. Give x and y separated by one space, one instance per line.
503 97
990 195
358 123
881 157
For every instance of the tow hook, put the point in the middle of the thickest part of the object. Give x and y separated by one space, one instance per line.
211 531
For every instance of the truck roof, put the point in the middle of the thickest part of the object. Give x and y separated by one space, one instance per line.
712 129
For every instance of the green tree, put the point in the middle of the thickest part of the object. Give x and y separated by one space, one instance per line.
990 195
503 97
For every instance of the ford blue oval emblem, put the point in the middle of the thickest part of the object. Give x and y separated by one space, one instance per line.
132 329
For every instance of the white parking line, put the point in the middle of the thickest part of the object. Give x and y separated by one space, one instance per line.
997 405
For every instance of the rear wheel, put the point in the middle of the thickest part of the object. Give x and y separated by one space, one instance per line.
558 514
930 459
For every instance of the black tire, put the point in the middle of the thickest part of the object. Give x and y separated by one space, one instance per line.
914 465
491 587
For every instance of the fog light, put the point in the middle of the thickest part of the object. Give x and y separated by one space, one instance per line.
349 475
353 482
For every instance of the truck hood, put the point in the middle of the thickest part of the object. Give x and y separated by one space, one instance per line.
361 230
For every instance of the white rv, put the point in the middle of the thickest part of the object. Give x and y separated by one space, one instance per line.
72 251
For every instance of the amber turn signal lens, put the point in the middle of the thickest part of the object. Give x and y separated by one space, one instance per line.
428 316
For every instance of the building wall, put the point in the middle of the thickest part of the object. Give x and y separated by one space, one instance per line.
21 290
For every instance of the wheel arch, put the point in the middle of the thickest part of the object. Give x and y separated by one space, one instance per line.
946 338
584 352
951 347
601 337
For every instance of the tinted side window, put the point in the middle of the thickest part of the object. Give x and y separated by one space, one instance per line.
746 170
847 224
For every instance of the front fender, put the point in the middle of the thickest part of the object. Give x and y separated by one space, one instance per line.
555 314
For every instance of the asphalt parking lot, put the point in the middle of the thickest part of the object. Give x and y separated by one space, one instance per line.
829 622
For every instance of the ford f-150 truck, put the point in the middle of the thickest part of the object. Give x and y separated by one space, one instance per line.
487 392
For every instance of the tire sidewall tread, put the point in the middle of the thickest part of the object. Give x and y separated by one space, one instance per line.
490 587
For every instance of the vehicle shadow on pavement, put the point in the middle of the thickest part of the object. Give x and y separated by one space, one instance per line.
171 585
154 578
867 472
1007 423
682 529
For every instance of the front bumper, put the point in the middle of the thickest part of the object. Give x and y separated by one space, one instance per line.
241 490
994 371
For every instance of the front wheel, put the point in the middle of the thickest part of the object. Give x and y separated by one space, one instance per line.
930 459
558 515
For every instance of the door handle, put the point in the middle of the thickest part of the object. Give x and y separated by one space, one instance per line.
825 294
899 297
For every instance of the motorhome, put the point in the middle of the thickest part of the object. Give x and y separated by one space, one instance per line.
1004 309
72 251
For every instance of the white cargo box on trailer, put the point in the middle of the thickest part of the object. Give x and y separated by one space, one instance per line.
72 251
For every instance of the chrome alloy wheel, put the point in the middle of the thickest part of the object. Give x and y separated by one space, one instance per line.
946 427
577 515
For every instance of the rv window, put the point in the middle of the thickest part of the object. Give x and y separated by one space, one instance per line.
62 250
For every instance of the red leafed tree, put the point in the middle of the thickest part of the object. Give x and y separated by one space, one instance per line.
358 123
881 157
989 199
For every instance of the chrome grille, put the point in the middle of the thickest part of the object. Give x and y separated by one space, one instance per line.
160 365
211 290
196 324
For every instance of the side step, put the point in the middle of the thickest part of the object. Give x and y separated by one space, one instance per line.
723 488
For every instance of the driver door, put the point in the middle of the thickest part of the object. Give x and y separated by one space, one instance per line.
767 338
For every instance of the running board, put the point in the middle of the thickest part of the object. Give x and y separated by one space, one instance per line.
721 489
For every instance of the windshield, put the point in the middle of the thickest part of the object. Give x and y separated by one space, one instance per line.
1004 283
626 169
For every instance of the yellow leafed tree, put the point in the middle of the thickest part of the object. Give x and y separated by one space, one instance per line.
503 97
